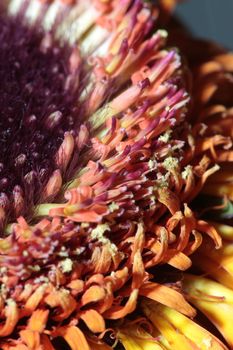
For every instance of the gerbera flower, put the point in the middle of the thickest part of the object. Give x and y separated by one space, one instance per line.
103 154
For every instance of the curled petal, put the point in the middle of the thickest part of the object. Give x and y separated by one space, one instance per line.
117 312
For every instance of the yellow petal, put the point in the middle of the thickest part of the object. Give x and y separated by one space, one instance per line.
225 231
214 300
216 263
214 269
172 340
180 332
138 340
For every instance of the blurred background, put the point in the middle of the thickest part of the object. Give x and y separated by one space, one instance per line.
210 19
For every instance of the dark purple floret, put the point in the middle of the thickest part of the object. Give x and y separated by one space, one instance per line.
39 102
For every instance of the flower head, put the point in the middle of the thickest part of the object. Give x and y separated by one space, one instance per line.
102 197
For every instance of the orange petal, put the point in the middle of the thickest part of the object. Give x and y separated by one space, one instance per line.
118 278
31 338
138 270
94 321
211 231
93 295
46 343
117 312
61 298
76 285
12 316
180 261
167 296
169 199
101 259
38 320
74 337
34 300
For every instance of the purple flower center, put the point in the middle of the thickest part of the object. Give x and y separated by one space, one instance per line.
38 105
